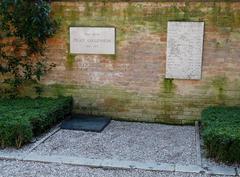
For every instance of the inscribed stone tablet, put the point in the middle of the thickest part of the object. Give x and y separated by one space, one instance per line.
184 50
92 40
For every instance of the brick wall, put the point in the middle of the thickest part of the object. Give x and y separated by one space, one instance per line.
131 84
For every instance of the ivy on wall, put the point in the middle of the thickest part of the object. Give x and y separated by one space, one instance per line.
25 27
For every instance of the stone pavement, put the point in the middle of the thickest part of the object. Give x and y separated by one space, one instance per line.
36 169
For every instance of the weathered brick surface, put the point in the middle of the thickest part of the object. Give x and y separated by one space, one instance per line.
131 84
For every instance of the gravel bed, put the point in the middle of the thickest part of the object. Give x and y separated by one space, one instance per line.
127 141
31 169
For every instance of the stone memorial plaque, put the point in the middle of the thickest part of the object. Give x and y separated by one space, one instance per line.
92 40
184 50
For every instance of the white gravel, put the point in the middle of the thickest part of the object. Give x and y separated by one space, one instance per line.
127 141
30 169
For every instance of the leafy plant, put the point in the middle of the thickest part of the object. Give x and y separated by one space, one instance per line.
221 133
23 118
25 27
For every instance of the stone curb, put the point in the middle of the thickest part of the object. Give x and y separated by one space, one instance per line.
100 163
11 156
189 168
221 171
42 140
198 146
118 164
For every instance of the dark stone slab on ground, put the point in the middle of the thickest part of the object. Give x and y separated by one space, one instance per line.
86 123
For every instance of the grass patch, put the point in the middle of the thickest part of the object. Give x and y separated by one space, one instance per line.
23 118
221 133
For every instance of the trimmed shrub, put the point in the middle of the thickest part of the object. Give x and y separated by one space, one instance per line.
15 132
221 133
23 118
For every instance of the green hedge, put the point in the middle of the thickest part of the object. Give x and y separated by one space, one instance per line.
23 118
221 133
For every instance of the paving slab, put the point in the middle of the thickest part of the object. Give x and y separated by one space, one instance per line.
100 163
126 141
86 123
189 168
10 168
11 155
221 170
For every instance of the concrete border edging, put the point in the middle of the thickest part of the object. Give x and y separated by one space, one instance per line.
221 171
42 140
198 145
121 164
